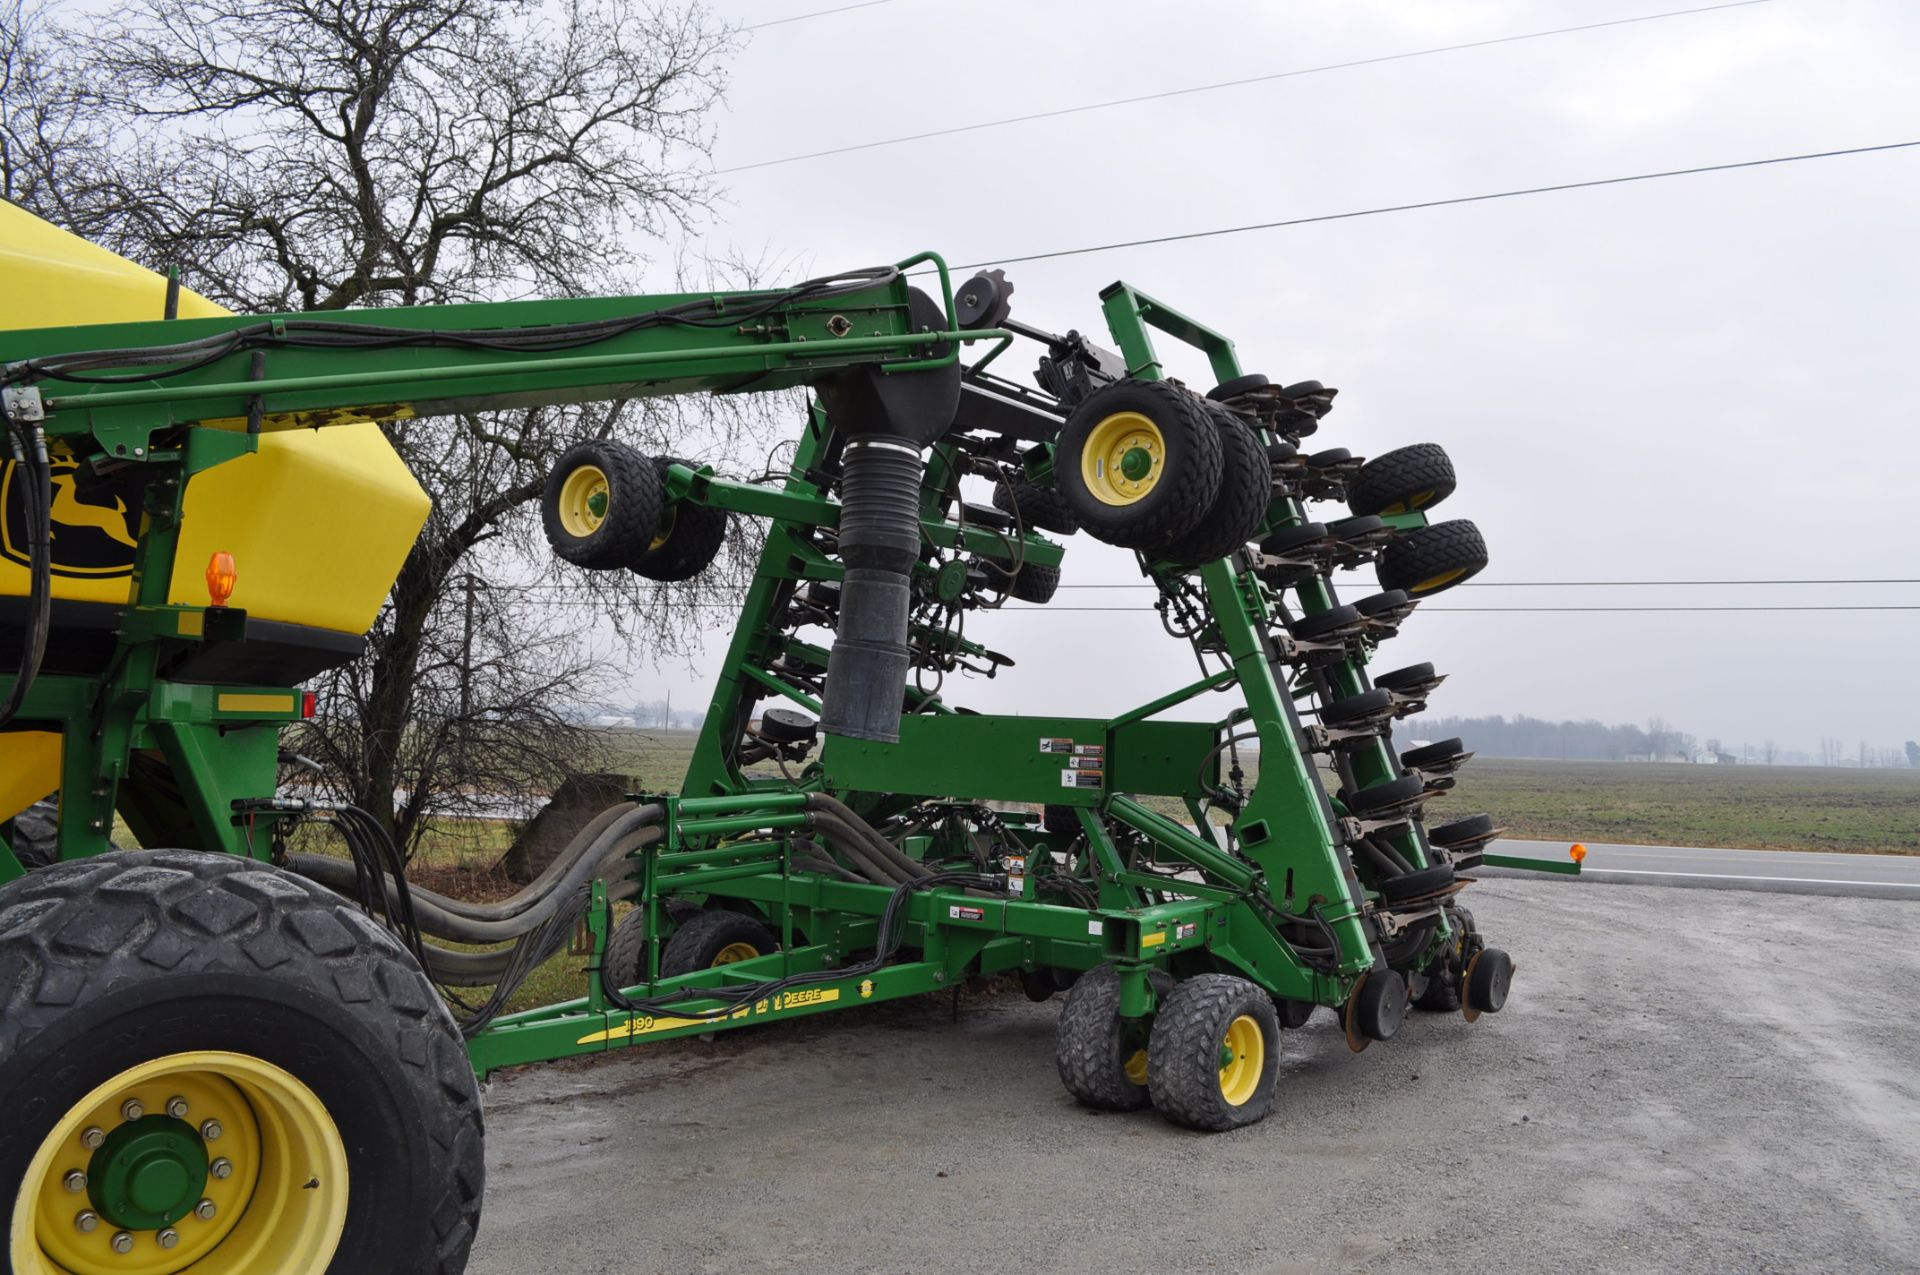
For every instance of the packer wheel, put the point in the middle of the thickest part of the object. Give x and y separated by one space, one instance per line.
1402 481
601 505
688 539
1138 463
1428 559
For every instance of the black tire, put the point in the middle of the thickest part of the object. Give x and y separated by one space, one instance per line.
121 961
1034 582
1432 754
1461 831
1239 507
1357 708
1402 481
1417 884
624 530
1035 506
1428 560
688 539
1093 1045
1188 1083
1387 795
1401 679
1188 468
1061 821
34 834
714 937
1489 977
626 958
1324 625
1442 993
1237 386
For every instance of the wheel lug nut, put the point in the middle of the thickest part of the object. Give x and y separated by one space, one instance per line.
177 1108
132 1109
221 1168
75 1180
168 1238
205 1210
85 1221
123 1241
211 1130
93 1137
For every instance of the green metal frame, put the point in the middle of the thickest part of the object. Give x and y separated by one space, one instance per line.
1172 899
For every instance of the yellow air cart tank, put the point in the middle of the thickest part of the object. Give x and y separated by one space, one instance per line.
318 523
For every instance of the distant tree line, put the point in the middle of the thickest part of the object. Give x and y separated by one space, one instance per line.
1658 740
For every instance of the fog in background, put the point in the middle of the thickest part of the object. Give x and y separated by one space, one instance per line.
1707 377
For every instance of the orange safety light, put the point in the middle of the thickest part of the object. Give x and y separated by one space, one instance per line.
221 577
1578 853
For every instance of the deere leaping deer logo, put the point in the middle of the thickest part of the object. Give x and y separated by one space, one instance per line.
95 517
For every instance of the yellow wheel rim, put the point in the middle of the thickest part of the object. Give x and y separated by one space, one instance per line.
584 499
1243 1058
1136 1066
736 952
667 520
1419 500
1123 459
1438 582
274 1195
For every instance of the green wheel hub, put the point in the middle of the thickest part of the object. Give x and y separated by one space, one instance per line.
149 1173
1136 464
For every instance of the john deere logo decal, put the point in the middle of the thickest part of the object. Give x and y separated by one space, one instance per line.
96 519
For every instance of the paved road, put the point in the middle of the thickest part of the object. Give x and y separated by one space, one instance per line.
1885 876
1684 1080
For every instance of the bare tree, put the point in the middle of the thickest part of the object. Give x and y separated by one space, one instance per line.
317 154
1768 751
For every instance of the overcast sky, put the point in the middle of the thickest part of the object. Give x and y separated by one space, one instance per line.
1707 377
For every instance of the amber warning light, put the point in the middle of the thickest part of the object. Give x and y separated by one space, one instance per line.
221 577
1578 853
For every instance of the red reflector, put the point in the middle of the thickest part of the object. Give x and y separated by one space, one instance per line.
309 704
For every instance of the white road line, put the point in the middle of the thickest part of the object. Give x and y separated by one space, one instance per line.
1726 876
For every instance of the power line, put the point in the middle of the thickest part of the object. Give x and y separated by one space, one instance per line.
1208 88
1574 584
817 13
1435 203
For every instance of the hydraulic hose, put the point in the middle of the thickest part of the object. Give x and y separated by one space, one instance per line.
902 862
621 837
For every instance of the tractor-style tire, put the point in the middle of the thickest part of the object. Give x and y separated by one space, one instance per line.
715 937
1402 481
601 505
1034 582
1035 507
1426 560
1240 506
349 1128
1101 1058
34 834
626 956
1194 1080
688 539
1442 995
1138 462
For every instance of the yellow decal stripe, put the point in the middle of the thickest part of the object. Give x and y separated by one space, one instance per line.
1153 940
649 1024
